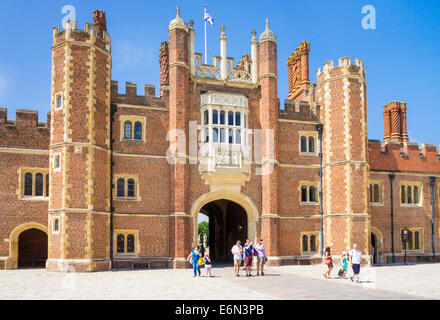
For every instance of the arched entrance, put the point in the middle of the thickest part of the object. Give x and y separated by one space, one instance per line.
232 216
227 224
32 249
376 245
12 262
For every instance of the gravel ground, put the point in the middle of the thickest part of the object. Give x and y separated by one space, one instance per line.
287 282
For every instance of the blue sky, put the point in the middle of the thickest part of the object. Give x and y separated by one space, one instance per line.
401 55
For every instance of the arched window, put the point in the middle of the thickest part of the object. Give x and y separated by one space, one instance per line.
231 136
312 194
371 193
311 144
127 130
215 117
410 240
403 194
222 136
28 184
206 117
305 243
312 243
215 135
222 117
303 194
130 188
408 191
47 185
238 136
130 243
416 194
120 243
303 144
39 185
230 118
120 192
376 193
238 119
138 130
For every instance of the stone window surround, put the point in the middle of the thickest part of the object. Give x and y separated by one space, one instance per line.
421 240
56 169
133 118
55 103
53 219
126 177
309 184
411 184
372 182
308 134
125 233
21 183
317 241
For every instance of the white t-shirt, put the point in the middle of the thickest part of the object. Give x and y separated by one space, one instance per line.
355 256
236 251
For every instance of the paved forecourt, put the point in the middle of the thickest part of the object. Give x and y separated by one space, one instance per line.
286 282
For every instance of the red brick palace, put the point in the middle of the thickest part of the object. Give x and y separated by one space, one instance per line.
118 180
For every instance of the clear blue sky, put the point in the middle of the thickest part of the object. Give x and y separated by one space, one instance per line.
402 55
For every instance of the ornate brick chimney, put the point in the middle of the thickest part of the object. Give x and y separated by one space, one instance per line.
395 123
100 21
164 65
298 71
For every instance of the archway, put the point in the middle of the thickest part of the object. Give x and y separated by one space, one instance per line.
32 249
39 239
227 223
376 245
232 216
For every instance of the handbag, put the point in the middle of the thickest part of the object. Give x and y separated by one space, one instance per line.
201 262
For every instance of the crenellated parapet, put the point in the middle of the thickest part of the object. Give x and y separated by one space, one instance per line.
94 34
344 67
408 157
25 131
301 110
131 96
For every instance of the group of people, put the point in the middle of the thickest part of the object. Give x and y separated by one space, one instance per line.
247 254
353 258
200 257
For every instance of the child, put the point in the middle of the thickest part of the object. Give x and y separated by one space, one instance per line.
344 264
208 265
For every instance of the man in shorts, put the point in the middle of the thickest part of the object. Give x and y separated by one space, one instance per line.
355 260
261 258
237 251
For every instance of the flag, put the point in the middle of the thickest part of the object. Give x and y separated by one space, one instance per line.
207 17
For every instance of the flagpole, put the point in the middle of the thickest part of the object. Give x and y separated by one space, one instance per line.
206 55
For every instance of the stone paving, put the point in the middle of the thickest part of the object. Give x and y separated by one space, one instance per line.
286 282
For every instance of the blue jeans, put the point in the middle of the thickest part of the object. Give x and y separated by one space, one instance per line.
196 267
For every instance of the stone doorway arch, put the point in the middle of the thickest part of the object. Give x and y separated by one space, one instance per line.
376 246
237 200
14 237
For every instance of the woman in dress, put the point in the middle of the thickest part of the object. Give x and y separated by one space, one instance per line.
329 262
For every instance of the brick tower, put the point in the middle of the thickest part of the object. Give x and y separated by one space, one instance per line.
79 205
342 95
269 125
180 219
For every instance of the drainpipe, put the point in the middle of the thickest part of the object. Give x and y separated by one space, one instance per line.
112 209
392 176
319 128
431 183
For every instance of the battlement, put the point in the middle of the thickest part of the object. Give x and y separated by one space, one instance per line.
344 64
94 33
302 49
131 97
25 131
407 156
301 110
